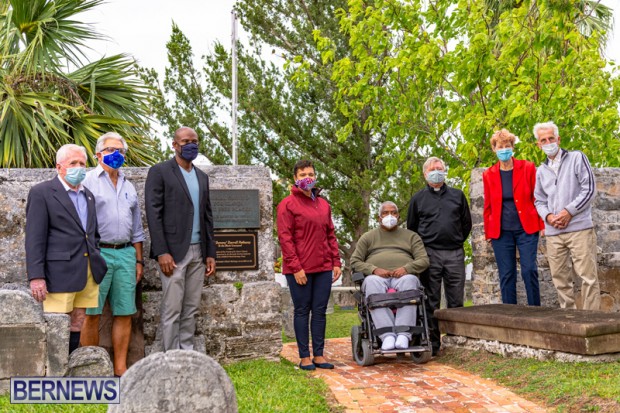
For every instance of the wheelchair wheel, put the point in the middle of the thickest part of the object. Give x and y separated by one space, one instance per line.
361 348
421 357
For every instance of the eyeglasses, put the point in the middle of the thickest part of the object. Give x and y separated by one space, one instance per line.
122 151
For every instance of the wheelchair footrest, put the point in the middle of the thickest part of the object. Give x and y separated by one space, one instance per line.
412 349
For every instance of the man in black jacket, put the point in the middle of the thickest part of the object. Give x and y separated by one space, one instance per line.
440 215
178 211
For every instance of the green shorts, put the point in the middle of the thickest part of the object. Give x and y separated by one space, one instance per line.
119 283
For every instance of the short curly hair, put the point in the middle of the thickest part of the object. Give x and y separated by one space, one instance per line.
503 136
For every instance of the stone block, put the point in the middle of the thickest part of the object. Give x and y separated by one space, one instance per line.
57 336
18 307
22 350
90 361
570 331
176 381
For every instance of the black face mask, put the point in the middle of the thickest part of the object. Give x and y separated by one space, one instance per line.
189 151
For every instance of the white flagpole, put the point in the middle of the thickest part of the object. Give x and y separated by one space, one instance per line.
234 87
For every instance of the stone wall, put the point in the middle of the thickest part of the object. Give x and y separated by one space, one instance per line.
606 215
239 315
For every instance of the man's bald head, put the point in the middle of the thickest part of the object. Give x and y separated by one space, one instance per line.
184 131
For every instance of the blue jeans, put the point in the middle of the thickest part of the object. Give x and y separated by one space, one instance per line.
312 297
505 249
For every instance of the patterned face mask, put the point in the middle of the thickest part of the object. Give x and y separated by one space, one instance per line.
305 184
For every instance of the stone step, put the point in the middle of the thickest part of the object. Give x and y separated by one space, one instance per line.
570 331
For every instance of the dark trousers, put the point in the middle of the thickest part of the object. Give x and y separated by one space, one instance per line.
447 266
505 249
310 298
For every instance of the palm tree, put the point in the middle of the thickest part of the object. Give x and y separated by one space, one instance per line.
51 95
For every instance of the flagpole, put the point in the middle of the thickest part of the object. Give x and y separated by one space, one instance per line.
234 87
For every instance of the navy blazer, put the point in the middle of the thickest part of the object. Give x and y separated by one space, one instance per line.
57 247
169 212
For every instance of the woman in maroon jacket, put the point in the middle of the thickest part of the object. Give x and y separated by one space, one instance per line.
511 220
310 260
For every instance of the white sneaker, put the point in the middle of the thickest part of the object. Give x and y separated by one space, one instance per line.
388 343
402 342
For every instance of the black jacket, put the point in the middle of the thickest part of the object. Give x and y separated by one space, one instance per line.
441 218
169 212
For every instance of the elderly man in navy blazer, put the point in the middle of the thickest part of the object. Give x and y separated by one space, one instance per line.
63 263
180 221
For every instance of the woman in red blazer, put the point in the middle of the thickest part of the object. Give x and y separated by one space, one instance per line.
510 218
310 261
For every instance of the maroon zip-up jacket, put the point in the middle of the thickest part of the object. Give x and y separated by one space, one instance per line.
306 234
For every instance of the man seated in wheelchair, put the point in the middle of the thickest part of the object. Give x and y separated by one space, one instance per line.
390 257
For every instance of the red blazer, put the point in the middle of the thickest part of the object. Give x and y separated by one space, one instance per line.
523 182
306 234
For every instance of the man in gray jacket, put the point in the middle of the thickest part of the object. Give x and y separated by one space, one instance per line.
564 192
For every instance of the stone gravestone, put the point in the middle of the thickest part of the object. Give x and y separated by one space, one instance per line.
32 343
176 381
90 361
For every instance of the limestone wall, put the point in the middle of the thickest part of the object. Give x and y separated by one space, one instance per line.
239 315
606 215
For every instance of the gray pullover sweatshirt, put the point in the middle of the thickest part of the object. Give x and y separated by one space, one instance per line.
573 189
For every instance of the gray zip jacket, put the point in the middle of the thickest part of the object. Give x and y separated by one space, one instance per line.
573 189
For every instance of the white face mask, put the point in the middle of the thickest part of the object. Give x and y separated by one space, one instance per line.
389 221
550 149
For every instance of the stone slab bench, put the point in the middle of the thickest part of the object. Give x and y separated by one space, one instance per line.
571 331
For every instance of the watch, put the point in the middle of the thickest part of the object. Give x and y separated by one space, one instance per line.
140 262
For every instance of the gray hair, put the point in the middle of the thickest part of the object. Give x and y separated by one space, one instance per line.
546 125
110 135
431 161
64 151
386 203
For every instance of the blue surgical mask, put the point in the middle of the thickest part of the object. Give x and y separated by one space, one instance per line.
504 154
189 151
114 160
75 175
436 177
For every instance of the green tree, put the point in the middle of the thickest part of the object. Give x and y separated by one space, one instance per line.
49 97
452 76
284 114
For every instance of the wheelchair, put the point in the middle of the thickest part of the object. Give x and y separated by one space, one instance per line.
365 341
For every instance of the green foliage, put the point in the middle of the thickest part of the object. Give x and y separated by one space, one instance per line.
238 285
267 386
50 97
286 114
453 71
6 406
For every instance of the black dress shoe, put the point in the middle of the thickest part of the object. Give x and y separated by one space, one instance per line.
323 365
308 367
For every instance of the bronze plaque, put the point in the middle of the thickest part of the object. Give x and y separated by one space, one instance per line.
236 250
235 208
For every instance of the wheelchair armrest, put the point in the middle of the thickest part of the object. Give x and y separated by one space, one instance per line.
358 278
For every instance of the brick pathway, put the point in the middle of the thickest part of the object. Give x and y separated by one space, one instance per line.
393 385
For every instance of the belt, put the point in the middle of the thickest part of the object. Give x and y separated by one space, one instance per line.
114 246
